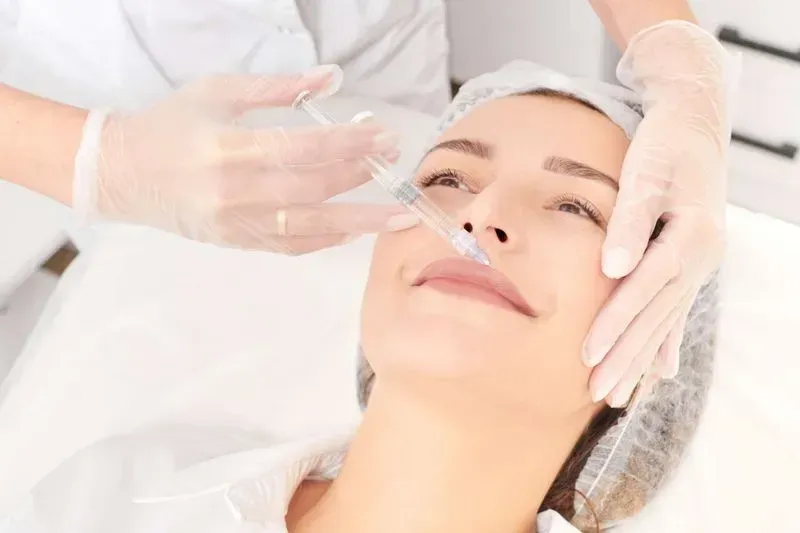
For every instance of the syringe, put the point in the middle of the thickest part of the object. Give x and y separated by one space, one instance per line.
407 193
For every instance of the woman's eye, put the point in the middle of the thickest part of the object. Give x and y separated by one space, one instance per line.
445 178
455 183
575 205
575 209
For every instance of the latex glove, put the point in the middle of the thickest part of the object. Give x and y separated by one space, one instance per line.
186 167
675 170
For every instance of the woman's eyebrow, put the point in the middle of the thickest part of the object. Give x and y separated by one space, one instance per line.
557 164
465 146
570 167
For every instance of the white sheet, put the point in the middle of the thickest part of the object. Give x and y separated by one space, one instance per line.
177 343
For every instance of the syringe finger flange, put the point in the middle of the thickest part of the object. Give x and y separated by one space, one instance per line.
358 118
302 98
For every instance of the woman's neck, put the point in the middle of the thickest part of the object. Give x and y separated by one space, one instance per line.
411 469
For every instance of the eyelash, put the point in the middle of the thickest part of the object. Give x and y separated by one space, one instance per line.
589 210
431 179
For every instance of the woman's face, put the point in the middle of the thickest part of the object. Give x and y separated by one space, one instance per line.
534 179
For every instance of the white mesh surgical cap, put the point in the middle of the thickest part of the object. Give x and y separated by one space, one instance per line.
633 458
620 105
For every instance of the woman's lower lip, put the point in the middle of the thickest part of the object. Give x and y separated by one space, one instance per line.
468 290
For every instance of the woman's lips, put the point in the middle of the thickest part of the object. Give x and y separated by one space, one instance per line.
471 279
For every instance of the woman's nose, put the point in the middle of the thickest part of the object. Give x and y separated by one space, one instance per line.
494 217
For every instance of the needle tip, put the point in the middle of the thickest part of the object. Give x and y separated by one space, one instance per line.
481 257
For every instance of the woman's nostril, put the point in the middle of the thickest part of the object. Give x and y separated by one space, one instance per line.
502 236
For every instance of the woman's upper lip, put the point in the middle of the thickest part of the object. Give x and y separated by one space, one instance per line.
474 273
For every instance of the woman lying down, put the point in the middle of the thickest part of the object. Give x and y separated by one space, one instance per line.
478 416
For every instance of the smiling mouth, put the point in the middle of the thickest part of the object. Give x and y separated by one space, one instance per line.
469 279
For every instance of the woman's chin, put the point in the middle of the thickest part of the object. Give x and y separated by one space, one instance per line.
443 346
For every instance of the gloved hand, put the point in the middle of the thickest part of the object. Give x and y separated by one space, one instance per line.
675 170
184 166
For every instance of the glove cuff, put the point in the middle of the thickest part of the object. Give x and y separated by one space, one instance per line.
684 71
84 182
674 54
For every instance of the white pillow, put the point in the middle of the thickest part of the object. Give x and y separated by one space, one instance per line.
215 336
741 470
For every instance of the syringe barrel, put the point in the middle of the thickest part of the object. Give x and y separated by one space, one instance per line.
434 217
407 193
404 190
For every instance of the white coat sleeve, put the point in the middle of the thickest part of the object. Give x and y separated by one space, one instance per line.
395 51
9 15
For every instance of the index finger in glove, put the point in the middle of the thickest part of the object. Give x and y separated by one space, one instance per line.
658 268
308 147
646 175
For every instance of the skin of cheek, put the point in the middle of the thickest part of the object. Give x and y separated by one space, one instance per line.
567 260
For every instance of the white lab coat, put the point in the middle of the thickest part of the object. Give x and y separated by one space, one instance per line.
127 52
175 480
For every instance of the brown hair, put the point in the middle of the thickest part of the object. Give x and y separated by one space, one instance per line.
562 493
552 93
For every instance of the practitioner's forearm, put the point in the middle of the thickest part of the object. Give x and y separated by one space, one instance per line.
625 18
38 142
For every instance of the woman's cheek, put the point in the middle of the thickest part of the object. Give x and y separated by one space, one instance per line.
393 249
449 199
591 288
575 267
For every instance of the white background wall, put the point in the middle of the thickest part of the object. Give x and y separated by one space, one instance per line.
561 34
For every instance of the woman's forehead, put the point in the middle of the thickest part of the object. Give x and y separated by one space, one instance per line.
532 127
532 113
